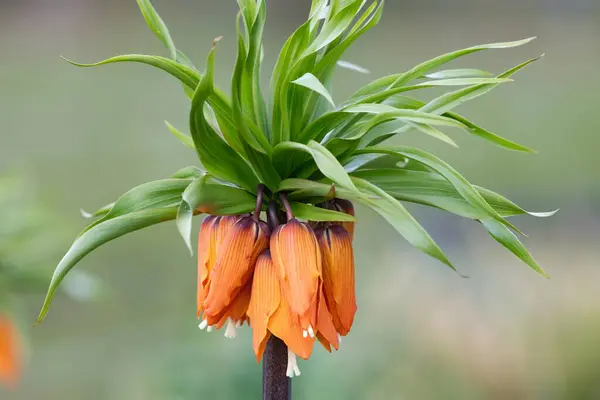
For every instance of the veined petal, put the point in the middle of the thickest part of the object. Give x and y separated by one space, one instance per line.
264 301
205 243
236 311
338 276
297 259
10 349
285 326
235 264
326 330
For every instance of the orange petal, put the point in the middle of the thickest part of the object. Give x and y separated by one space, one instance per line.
297 258
235 265
325 326
286 327
10 353
338 276
207 228
264 301
236 312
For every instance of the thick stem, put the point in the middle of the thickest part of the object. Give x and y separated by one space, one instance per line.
286 204
276 385
259 201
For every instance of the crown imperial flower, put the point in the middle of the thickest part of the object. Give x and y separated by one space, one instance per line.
301 161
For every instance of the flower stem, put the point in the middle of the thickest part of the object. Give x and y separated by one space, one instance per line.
288 207
276 385
259 201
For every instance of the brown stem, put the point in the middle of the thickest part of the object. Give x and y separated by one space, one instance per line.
276 385
286 204
259 201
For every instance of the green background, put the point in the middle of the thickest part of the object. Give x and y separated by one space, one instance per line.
84 136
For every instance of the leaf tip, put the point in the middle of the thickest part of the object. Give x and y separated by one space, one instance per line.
85 214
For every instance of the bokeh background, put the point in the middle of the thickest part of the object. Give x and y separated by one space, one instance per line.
83 137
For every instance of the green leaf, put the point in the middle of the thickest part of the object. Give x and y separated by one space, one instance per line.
401 79
434 190
433 132
189 172
302 189
352 67
459 73
317 214
157 26
186 75
325 161
509 240
98 235
186 140
458 181
397 215
149 195
311 82
472 128
219 159
210 196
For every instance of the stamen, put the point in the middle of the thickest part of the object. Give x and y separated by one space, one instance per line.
209 329
230 332
304 333
203 324
239 324
292 365
311 332
339 338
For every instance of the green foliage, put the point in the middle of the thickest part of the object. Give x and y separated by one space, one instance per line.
303 142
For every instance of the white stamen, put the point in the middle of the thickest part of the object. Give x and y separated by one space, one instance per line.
311 333
230 332
304 333
292 365
203 324
239 324
209 329
339 338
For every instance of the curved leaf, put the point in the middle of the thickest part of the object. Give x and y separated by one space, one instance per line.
459 73
97 236
157 26
458 181
311 82
506 238
186 140
317 214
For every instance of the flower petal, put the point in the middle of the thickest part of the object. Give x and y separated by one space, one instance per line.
10 357
297 258
264 301
207 228
286 327
235 264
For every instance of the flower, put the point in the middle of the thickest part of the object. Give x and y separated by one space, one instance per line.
10 352
236 256
338 275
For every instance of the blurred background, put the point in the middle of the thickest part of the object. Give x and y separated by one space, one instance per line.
83 137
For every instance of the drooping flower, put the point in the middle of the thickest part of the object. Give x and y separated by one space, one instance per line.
10 352
234 266
338 275
297 260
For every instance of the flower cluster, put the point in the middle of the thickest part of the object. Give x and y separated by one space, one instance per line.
294 281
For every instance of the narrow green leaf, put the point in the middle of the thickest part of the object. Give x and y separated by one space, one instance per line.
190 172
186 140
216 155
399 217
317 214
509 240
157 26
458 181
325 161
97 236
433 132
432 189
186 75
149 195
352 67
311 82
302 189
459 73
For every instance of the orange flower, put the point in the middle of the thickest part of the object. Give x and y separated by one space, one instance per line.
234 266
338 276
213 232
297 260
347 207
10 353
270 313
